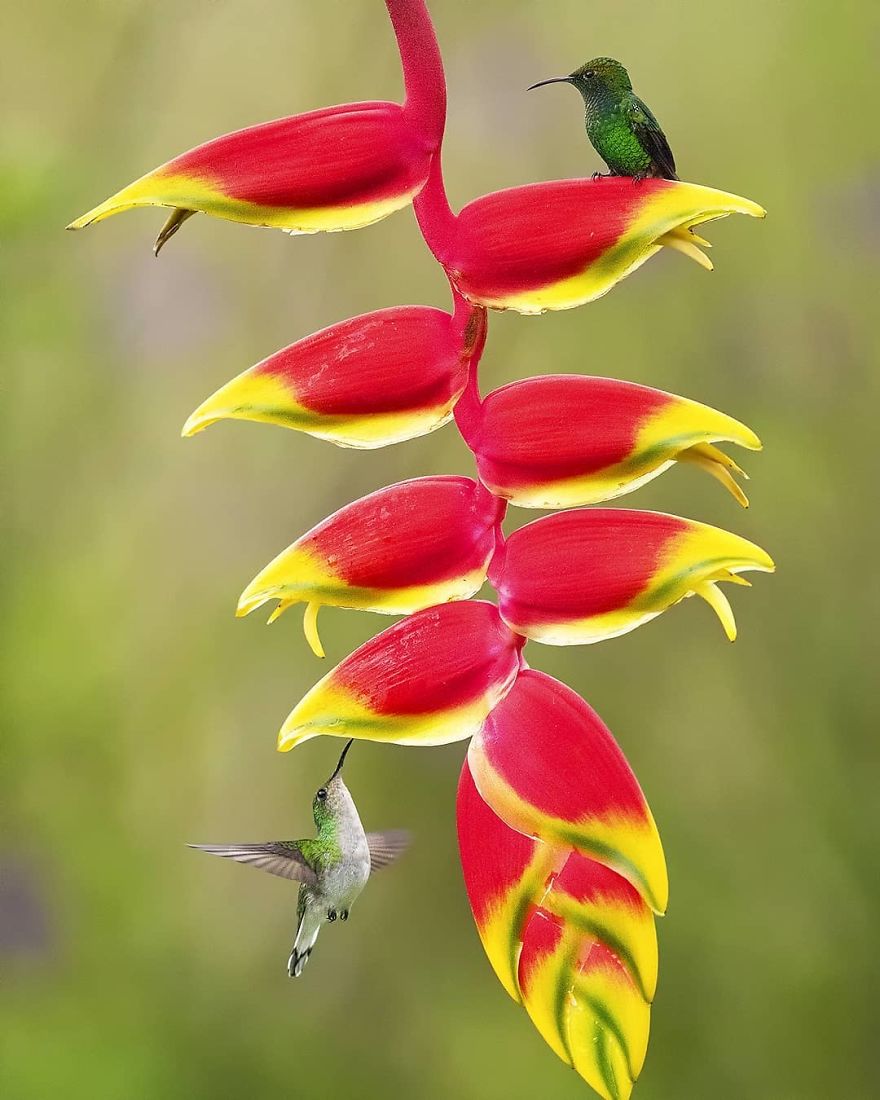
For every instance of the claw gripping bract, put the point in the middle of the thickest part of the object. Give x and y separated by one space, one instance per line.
561 855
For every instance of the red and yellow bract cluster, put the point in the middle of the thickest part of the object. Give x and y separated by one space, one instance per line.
561 856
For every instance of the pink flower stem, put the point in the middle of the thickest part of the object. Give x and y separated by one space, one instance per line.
422 64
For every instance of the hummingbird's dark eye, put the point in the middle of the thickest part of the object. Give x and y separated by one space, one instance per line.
589 74
322 794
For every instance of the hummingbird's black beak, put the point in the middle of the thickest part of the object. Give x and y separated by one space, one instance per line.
341 760
552 80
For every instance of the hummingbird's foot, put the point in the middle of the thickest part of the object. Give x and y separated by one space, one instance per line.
639 176
597 176
331 915
343 915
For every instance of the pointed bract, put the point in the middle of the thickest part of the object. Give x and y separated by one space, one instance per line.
549 767
562 243
430 679
337 168
567 937
588 575
365 382
398 550
562 441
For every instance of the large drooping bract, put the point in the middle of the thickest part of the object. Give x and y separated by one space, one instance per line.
561 856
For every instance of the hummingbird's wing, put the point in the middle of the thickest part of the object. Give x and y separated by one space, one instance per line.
386 847
653 140
279 857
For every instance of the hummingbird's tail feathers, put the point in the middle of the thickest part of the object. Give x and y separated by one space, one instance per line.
306 934
386 847
279 857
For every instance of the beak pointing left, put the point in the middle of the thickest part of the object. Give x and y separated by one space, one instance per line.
552 80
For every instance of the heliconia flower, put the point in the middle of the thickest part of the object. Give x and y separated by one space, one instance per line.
523 760
401 549
430 679
561 441
587 575
337 168
567 937
559 244
366 382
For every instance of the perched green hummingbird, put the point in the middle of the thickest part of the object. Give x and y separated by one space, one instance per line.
622 129
332 869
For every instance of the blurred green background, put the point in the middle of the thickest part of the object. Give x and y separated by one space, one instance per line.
139 714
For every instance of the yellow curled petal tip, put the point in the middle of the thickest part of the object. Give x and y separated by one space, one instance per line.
718 465
288 740
715 598
196 423
310 626
678 243
279 611
254 596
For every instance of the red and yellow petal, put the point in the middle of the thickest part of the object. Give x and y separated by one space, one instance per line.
430 679
505 872
337 168
603 904
398 550
584 576
559 244
366 382
548 766
608 1024
582 1000
568 938
562 441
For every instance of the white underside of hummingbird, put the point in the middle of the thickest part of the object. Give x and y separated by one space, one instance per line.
332 869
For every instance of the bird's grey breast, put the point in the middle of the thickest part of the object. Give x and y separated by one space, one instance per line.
347 877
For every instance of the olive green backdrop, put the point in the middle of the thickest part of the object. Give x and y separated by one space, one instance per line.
139 714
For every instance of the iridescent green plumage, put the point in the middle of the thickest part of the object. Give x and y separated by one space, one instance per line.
622 129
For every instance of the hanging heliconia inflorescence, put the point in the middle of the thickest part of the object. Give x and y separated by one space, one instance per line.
562 860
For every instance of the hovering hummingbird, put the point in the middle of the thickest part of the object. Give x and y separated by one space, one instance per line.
622 129
332 869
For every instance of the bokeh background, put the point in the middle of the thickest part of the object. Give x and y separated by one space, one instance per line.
139 714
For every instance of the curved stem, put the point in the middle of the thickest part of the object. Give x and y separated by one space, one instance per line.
434 214
473 323
422 64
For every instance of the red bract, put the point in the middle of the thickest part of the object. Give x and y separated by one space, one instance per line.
404 548
429 679
592 574
366 382
560 244
568 938
566 440
549 767
336 168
